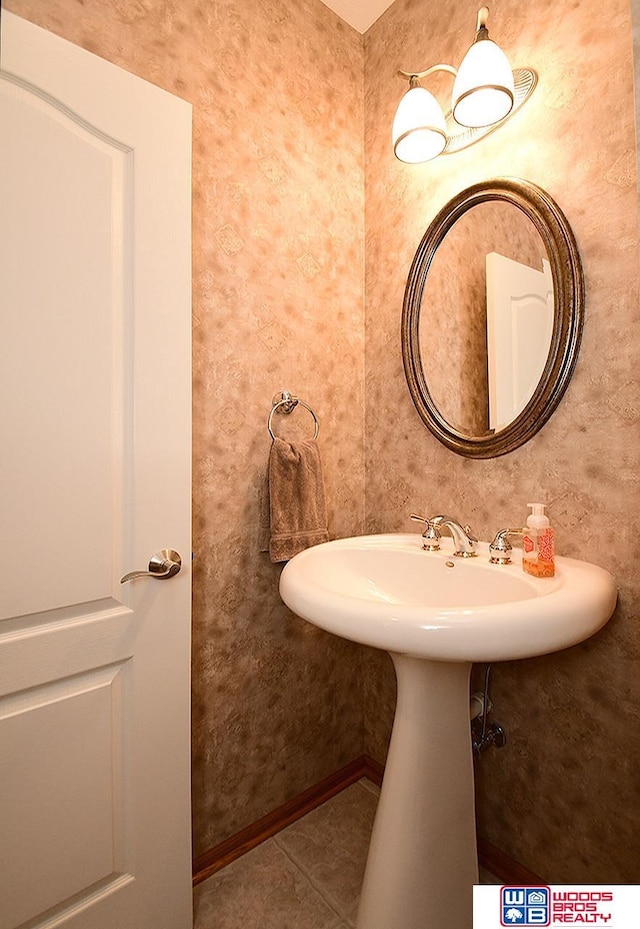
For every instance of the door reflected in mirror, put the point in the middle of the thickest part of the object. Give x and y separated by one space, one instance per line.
486 318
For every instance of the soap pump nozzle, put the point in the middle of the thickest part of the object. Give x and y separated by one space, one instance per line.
537 518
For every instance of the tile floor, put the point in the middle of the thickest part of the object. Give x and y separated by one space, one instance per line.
306 877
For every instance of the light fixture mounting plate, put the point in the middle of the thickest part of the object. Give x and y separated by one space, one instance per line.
459 137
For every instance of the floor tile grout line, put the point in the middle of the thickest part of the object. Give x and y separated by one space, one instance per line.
300 867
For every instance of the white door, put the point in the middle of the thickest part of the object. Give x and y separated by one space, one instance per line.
519 328
94 479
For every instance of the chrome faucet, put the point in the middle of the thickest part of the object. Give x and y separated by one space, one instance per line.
463 539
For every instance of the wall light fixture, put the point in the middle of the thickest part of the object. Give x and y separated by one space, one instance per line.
485 93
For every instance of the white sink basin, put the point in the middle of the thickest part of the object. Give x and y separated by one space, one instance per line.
435 614
385 591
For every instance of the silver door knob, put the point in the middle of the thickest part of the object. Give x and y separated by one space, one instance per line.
165 563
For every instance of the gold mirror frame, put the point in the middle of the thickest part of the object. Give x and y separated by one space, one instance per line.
568 287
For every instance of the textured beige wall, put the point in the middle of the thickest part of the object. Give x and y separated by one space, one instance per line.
563 796
278 217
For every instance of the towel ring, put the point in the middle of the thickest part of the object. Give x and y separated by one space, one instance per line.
284 402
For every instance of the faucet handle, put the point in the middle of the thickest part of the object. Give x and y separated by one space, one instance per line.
431 536
500 549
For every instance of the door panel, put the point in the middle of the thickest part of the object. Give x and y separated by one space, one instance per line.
95 467
66 812
62 270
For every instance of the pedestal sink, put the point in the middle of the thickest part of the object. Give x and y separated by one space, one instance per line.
435 614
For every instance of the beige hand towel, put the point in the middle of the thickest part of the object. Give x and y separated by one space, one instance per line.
297 506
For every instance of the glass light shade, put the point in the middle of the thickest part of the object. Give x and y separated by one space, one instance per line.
483 91
419 130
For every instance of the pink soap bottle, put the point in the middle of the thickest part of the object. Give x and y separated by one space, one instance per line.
537 544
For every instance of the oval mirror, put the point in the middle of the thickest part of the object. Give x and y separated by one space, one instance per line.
492 317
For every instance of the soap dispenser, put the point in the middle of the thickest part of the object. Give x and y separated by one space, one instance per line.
537 544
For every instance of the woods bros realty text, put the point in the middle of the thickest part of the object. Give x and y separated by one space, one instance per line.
581 907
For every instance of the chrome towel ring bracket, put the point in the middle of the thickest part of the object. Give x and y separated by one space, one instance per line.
285 402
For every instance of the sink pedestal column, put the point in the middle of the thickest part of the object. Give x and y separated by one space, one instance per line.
422 860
